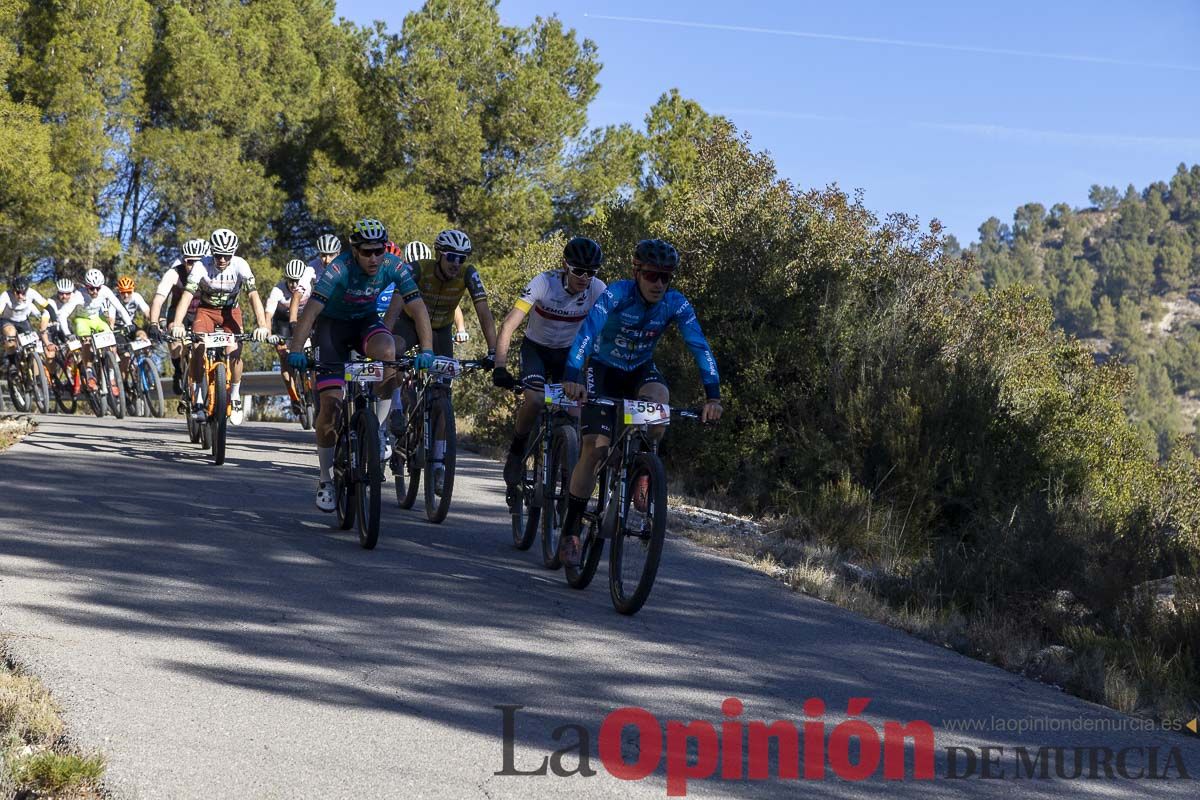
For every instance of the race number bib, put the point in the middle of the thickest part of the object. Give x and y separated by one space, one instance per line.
104 339
26 339
218 339
646 412
446 367
364 372
139 344
556 398
74 344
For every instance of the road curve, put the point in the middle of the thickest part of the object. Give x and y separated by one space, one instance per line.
211 633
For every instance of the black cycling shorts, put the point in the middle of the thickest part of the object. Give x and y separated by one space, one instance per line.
443 338
541 365
334 339
619 384
281 327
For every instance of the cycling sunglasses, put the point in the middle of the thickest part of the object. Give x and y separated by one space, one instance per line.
654 276
372 252
582 272
455 258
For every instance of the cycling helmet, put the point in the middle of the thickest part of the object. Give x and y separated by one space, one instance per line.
294 269
656 253
93 279
328 245
19 284
65 285
224 242
583 252
125 284
415 251
452 242
196 248
394 249
368 230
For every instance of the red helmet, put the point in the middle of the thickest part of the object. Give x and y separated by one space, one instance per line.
394 249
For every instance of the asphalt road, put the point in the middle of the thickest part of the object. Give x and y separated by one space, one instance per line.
210 632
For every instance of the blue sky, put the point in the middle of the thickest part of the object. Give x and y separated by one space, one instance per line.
952 110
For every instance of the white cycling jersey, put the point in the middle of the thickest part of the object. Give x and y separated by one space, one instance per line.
170 279
280 297
556 313
137 303
217 287
104 304
313 273
19 310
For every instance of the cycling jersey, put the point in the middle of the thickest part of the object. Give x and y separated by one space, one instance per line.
442 297
16 310
137 303
622 330
105 304
313 272
349 293
557 313
279 301
219 287
172 283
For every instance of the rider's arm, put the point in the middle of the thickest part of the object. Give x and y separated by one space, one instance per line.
160 294
115 308
294 304
487 322
507 329
304 325
140 302
689 326
273 300
185 300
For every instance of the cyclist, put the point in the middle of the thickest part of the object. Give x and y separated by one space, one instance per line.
134 304
443 280
328 248
171 288
217 281
284 303
340 315
96 313
617 341
16 305
560 300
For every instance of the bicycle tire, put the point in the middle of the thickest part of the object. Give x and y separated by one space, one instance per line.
343 483
437 506
368 484
41 386
18 391
152 387
218 418
64 387
529 511
629 591
96 398
112 372
563 455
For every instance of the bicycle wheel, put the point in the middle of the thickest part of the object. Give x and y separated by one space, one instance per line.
18 388
151 387
63 386
39 384
368 484
638 539
529 510
96 398
343 483
406 468
437 504
563 456
306 403
218 419
115 390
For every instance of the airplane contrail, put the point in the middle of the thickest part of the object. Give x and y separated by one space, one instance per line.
998 51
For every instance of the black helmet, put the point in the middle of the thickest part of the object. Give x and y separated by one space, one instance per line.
583 252
656 253
19 284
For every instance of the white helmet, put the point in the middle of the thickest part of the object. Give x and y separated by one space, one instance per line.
93 278
65 285
415 251
294 269
224 242
196 248
328 245
452 242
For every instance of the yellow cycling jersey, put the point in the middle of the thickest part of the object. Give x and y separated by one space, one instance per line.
442 297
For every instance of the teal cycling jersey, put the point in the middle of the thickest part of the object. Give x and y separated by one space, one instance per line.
349 293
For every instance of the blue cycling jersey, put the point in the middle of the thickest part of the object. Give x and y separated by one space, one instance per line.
349 293
385 299
622 330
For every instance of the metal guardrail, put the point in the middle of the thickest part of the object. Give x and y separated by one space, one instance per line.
260 383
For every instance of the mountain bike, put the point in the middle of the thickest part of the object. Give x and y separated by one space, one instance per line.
217 403
28 386
549 459
106 367
631 508
426 408
143 389
66 380
304 386
357 468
